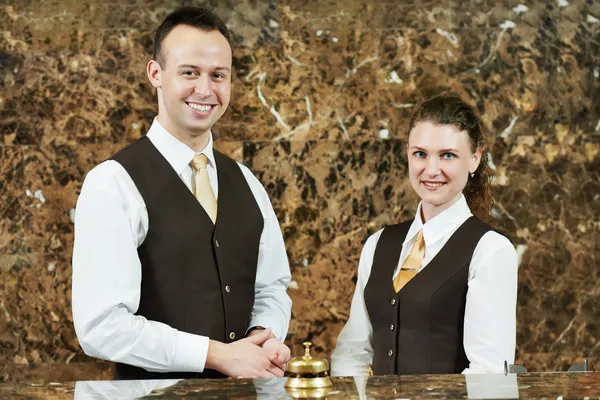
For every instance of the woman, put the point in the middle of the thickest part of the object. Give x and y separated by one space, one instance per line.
437 294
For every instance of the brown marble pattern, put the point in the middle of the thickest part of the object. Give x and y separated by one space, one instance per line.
321 100
525 386
329 196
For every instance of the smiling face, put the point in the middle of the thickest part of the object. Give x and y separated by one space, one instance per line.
193 82
440 158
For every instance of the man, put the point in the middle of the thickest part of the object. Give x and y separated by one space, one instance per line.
168 282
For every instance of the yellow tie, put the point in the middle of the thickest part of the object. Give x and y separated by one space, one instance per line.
411 265
202 189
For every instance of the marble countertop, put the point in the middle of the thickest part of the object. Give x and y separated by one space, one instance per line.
511 386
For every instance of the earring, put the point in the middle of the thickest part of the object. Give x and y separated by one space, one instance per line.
472 174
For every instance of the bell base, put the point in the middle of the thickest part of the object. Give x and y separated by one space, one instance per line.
308 383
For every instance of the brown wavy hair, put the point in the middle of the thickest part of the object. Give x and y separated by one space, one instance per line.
452 110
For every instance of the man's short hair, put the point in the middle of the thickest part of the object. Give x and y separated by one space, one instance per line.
196 17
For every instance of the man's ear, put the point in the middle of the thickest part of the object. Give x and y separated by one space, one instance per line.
154 72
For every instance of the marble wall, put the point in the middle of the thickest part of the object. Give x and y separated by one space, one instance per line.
322 96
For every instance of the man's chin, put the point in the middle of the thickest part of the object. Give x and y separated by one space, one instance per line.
198 129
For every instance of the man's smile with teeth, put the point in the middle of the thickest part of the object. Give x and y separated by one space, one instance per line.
200 107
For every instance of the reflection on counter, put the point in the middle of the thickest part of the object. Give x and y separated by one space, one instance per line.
510 386
496 386
133 389
117 390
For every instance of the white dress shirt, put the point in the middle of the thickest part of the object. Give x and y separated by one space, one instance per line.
490 314
111 222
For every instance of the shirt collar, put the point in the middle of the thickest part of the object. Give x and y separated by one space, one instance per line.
177 153
442 224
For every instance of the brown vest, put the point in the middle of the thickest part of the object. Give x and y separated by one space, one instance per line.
419 330
196 277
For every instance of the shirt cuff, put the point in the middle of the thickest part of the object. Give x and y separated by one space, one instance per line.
191 352
349 367
268 323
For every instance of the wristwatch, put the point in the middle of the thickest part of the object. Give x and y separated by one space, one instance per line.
255 328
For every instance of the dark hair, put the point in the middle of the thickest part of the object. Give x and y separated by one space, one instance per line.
197 17
452 110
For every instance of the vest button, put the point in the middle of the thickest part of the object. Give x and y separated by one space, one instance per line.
216 243
390 352
392 327
393 302
227 288
232 335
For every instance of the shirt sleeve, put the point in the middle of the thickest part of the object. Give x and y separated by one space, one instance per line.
353 353
272 305
490 313
107 277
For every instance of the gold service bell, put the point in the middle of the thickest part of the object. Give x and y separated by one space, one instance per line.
308 375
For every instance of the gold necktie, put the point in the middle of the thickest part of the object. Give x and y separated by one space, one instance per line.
411 265
202 189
